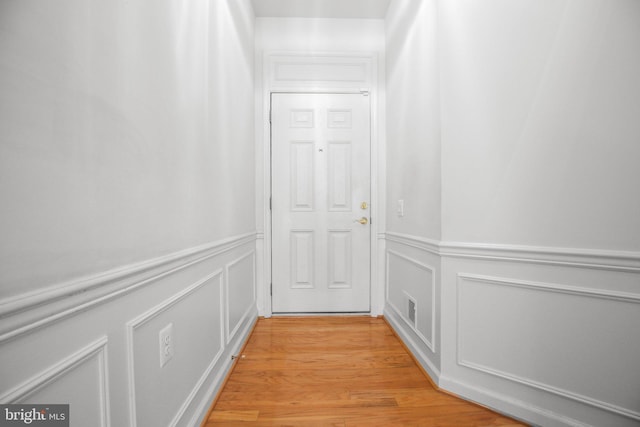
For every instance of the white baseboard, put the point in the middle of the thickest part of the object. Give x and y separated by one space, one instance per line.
400 328
223 368
509 406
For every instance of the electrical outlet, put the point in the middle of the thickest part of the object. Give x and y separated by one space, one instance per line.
166 344
400 209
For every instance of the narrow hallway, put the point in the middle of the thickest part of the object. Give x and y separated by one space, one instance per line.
338 371
154 154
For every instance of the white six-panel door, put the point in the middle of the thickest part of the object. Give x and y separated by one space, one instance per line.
320 149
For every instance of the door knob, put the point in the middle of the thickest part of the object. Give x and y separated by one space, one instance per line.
363 220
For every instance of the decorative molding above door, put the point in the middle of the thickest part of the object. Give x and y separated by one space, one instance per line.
320 71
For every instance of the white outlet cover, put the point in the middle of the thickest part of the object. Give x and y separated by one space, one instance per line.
166 344
400 208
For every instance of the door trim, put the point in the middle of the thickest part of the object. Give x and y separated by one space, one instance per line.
337 73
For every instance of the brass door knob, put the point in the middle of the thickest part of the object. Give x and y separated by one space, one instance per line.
363 220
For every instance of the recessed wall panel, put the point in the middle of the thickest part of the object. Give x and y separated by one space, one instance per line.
562 339
197 337
302 251
411 279
89 404
301 172
240 290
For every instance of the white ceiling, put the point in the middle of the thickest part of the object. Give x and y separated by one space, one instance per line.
366 9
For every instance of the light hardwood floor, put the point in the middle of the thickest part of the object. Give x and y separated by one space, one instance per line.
336 371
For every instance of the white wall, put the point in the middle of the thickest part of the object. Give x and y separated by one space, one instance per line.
539 245
413 176
413 119
319 35
128 198
540 122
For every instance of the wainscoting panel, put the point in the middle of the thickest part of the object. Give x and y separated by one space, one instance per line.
412 305
562 338
198 304
59 385
241 291
546 335
549 342
57 348
413 283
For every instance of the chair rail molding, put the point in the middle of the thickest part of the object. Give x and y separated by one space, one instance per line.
602 259
26 313
428 245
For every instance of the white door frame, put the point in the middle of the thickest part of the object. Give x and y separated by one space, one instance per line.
318 73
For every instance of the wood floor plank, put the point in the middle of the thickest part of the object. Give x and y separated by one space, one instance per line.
336 371
335 422
411 397
233 415
361 359
313 378
315 405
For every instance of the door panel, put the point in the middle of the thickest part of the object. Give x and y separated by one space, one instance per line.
320 190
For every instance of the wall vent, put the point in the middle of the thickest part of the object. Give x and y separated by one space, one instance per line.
412 311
